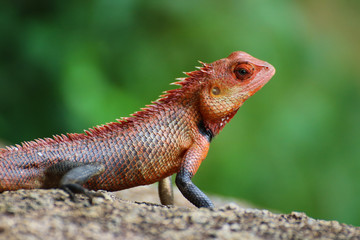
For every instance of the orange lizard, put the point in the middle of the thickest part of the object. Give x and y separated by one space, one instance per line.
170 136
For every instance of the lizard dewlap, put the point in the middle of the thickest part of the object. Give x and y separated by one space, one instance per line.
171 136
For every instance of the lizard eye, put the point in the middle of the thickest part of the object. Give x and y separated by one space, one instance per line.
243 71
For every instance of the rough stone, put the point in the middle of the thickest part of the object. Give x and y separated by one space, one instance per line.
49 214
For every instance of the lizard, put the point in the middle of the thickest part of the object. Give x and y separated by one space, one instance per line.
170 136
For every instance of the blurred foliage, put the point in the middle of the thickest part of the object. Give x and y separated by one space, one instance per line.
69 65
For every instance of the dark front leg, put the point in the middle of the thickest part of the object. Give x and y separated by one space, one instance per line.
191 161
190 191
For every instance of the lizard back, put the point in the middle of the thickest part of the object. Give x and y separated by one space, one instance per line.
135 151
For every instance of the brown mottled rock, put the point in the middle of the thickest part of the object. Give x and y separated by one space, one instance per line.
49 214
149 193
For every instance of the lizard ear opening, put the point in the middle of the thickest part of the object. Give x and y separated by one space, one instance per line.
215 90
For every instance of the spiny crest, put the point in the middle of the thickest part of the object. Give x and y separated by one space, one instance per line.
191 81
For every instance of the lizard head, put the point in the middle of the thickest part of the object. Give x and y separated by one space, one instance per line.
228 83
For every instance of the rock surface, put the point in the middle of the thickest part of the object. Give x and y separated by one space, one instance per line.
49 214
149 193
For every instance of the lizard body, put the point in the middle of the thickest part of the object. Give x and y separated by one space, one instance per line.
170 136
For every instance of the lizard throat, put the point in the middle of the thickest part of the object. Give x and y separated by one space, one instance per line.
216 126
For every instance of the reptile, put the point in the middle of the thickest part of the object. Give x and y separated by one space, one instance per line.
170 136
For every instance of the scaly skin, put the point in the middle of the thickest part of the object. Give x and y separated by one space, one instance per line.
170 136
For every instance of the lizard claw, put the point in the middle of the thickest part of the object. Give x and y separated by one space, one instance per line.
73 188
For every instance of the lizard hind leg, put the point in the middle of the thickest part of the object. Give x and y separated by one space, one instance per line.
73 180
70 176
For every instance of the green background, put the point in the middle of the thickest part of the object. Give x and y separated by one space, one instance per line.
294 146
